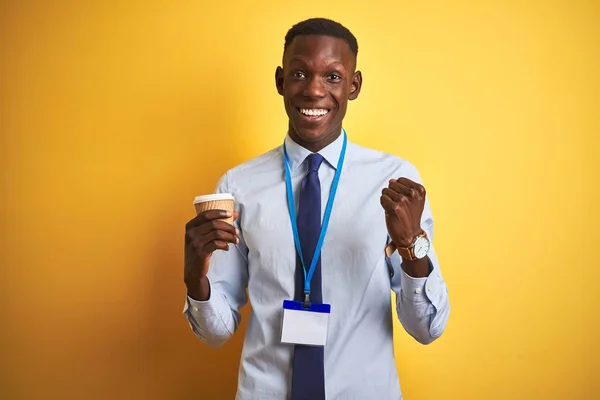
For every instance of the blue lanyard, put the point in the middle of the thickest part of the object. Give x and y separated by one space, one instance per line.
292 208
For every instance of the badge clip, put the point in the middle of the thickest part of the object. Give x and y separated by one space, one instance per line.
306 303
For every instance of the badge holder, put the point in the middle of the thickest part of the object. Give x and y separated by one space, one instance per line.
305 323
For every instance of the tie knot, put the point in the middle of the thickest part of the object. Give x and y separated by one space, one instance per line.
314 162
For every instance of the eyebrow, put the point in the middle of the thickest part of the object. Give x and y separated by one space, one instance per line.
300 59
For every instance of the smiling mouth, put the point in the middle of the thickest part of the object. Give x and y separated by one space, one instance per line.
313 113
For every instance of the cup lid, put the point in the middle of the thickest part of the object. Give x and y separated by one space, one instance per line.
213 197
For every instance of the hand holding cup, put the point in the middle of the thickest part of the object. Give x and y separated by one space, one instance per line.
212 229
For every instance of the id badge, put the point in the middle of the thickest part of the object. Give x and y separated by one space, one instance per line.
306 326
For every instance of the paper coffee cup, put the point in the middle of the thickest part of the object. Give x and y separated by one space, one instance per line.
218 201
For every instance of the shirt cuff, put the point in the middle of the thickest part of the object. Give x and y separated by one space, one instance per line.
421 290
200 308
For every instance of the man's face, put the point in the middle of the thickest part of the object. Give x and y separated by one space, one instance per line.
316 82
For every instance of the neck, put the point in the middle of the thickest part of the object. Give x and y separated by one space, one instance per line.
318 145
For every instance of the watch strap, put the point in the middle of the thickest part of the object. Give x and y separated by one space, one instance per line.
390 249
407 253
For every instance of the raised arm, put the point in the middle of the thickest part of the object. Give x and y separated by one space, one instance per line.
421 293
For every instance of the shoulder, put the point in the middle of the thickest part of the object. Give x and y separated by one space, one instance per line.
245 172
367 158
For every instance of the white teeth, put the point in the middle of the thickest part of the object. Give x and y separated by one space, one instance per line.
313 111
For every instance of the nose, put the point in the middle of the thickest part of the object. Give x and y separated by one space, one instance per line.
314 88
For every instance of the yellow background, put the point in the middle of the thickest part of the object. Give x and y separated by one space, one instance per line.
114 115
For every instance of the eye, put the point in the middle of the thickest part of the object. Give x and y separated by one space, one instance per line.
299 75
335 77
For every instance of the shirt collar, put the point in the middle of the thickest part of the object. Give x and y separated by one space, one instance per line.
297 154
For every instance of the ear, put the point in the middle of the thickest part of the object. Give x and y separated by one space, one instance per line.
279 80
355 85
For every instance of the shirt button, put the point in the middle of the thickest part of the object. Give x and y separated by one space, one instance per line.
429 288
417 290
195 308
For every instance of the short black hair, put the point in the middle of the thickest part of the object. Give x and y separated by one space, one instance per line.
324 27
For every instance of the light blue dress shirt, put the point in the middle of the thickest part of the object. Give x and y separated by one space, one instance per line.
358 278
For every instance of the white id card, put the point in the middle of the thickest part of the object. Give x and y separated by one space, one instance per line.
306 326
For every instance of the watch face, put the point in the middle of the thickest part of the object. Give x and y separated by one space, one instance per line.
421 247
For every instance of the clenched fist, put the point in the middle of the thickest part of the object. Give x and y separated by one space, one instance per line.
203 235
403 201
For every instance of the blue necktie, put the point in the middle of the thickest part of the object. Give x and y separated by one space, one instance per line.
308 371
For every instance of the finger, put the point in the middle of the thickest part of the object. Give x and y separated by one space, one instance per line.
403 190
395 196
413 185
210 247
216 229
214 225
392 208
221 236
208 215
388 204
236 215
